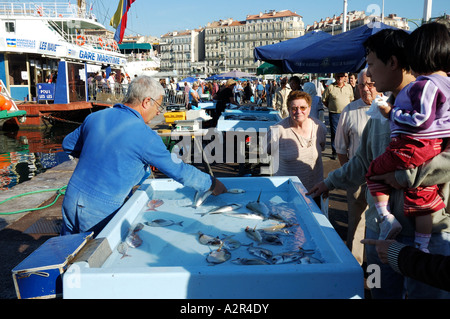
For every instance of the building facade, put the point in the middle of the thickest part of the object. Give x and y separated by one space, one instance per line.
355 19
181 52
227 45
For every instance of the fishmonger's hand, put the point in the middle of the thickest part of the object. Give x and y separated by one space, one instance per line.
218 187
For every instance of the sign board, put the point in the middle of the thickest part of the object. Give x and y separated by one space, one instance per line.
46 91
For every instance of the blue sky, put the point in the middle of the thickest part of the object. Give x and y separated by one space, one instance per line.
150 17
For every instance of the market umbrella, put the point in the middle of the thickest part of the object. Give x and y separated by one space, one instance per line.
267 68
189 79
276 53
212 78
340 53
234 75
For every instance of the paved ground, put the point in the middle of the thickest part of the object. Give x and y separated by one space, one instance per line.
17 242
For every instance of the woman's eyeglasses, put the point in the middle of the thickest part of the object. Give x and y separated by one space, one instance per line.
300 108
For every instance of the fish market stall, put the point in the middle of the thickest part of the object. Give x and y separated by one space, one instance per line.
262 239
247 120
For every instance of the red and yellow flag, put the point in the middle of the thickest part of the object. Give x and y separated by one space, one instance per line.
119 20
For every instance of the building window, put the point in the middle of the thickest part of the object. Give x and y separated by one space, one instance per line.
10 27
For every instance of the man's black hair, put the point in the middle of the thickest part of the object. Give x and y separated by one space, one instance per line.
387 43
428 48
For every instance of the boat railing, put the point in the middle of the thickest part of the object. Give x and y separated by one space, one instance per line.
94 41
45 9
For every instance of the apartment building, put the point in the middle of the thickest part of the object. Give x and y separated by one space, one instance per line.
182 51
228 44
355 19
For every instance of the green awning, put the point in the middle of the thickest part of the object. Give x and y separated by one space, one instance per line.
135 46
267 68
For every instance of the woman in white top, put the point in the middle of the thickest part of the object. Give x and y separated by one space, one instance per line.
297 141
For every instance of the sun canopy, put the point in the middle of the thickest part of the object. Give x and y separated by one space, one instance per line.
276 53
189 79
267 68
340 53
135 46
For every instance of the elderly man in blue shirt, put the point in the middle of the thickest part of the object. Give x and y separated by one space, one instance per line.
115 146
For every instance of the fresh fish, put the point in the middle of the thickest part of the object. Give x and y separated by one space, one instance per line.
254 234
286 257
200 197
259 207
163 223
271 239
133 240
310 260
122 248
154 203
260 252
277 228
254 216
222 209
218 256
235 191
208 240
231 243
249 261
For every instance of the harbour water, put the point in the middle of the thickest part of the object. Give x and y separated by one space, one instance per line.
26 153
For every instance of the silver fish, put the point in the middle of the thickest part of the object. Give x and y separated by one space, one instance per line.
208 240
260 252
122 248
218 256
310 260
133 240
254 216
235 191
200 197
254 234
271 239
163 223
222 209
249 261
286 257
259 207
230 243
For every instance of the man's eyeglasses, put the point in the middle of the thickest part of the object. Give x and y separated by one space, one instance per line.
300 108
368 84
161 108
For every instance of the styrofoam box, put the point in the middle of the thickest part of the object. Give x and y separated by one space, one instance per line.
171 263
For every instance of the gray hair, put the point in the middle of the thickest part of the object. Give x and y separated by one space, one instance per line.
141 87
361 74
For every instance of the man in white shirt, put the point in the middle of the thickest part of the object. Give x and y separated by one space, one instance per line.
351 124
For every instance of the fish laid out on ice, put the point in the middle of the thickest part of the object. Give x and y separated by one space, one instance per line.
263 253
205 239
154 203
222 209
249 261
122 248
163 223
254 216
286 257
235 191
133 240
200 197
253 234
259 207
218 256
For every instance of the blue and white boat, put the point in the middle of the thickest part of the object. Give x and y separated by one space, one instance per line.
47 51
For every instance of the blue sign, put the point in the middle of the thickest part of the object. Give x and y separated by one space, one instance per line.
45 91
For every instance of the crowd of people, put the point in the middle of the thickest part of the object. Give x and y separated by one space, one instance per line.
406 92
